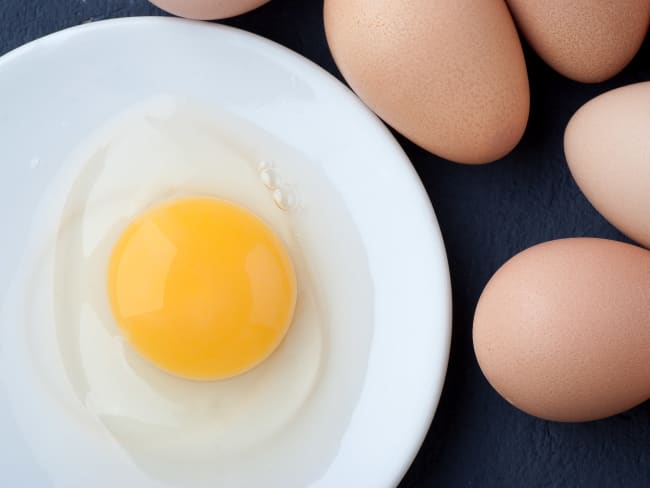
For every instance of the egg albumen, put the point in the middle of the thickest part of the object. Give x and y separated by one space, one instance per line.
93 410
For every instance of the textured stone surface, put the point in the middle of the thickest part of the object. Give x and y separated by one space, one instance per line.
487 214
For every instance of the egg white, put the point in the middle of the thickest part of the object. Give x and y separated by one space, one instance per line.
277 425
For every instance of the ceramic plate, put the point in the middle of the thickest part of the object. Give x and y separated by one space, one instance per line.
56 91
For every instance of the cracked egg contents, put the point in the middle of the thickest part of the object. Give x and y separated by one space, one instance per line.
202 288
188 241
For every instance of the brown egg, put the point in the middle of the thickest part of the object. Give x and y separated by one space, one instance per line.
562 330
585 40
448 74
208 9
607 145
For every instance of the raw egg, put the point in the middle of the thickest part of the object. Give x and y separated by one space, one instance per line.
182 243
562 330
208 9
449 75
607 146
202 288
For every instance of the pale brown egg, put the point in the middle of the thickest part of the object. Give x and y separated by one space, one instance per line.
562 330
607 146
448 74
585 40
208 9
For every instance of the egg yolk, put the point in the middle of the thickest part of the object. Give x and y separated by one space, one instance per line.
202 288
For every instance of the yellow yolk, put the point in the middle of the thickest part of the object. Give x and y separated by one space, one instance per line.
202 288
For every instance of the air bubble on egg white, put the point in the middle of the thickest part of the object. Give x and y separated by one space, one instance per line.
264 164
285 199
269 175
269 178
153 428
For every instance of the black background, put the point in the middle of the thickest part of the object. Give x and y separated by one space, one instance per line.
487 214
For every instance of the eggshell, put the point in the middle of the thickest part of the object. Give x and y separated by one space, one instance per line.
562 330
448 74
208 9
585 40
607 145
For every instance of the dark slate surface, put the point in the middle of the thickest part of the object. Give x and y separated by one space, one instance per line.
487 214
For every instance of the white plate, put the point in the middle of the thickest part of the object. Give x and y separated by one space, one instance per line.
55 91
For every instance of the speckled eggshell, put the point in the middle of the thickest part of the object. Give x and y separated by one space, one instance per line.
607 146
448 74
585 40
208 9
562 330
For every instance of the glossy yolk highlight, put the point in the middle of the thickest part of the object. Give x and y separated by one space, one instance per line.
202 288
